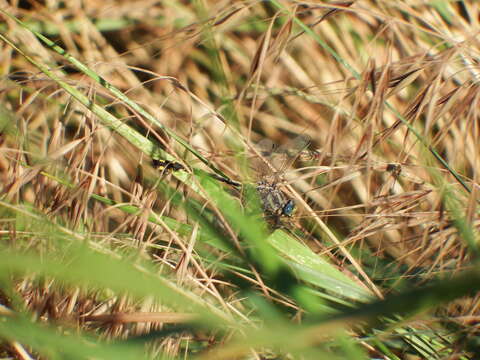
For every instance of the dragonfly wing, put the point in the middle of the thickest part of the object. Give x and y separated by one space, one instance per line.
297 145
282 157
266 147
293 149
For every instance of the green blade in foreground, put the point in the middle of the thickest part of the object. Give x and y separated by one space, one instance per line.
53 344
313 269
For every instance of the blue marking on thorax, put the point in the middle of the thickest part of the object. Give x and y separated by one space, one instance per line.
288 208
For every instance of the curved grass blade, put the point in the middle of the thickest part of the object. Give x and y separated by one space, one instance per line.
312 269
60 344
114 124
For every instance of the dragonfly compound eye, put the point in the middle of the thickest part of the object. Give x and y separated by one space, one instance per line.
288 208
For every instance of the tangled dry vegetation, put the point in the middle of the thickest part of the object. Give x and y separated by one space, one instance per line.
387 93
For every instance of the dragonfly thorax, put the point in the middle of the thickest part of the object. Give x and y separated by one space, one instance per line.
274 201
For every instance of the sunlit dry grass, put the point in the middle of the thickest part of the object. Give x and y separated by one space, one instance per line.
387 92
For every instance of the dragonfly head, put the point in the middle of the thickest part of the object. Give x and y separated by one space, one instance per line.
288 208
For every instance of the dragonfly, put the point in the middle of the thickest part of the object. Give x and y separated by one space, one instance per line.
283 158
268 167
271 162
297 150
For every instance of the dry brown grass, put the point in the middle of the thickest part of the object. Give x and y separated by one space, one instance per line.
387 91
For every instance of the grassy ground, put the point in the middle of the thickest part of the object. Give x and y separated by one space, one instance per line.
106 255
